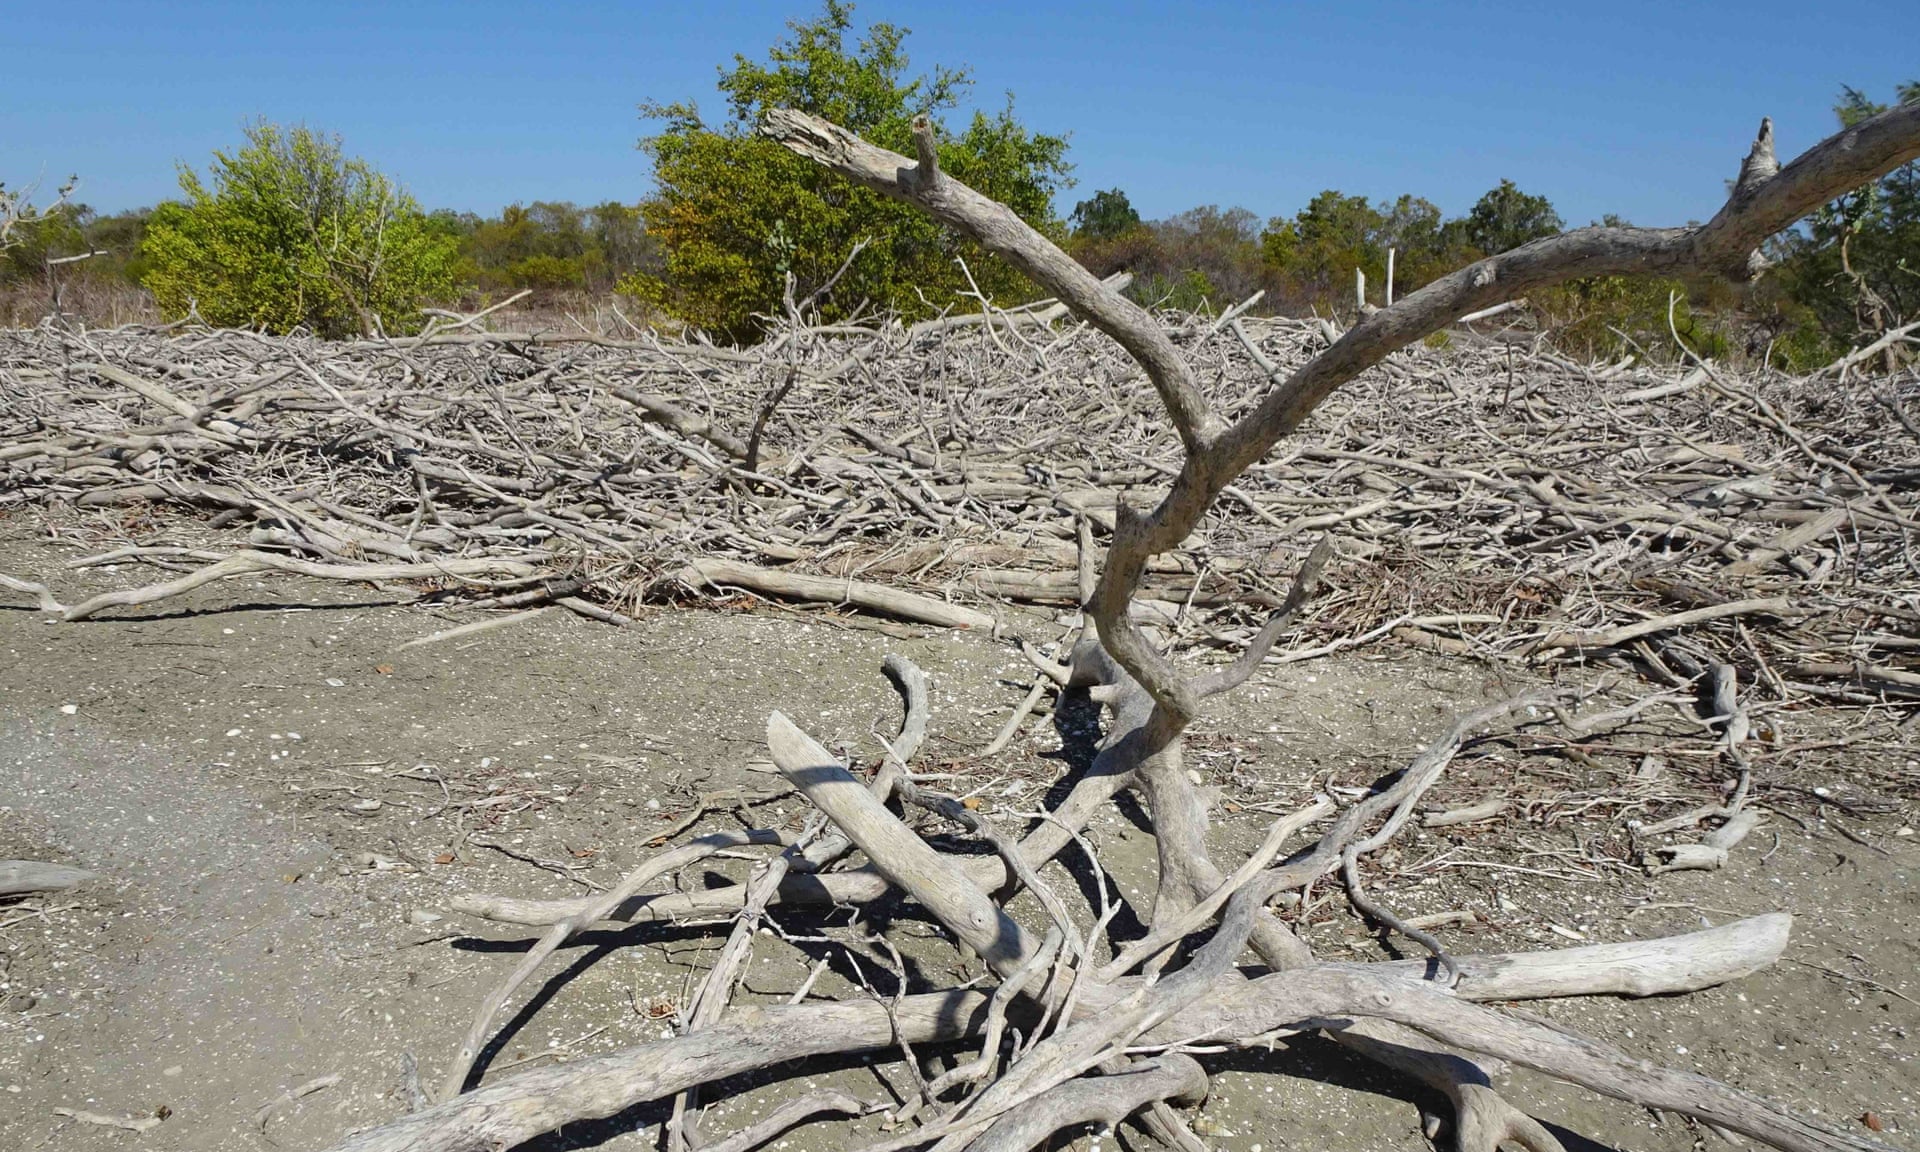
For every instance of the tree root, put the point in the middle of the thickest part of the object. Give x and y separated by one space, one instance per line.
1482 1118
752 1037
1103 1100
590 912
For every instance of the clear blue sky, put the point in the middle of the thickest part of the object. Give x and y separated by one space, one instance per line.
1637 108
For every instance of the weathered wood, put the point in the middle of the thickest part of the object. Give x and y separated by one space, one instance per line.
1101 1100
1613 637
902 856
832 590
18 877
749 1038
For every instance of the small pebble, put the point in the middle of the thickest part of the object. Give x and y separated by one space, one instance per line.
70 709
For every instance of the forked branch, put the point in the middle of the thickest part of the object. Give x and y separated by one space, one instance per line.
1764 201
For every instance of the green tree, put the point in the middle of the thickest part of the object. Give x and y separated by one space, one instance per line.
52 234
1426 245
1136 250
1853 270
620 235
1507 218
736 214
290 232
1325 242
1109 214
68 252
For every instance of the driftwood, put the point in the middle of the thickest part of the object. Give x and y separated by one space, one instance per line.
829 590
18 877
499 491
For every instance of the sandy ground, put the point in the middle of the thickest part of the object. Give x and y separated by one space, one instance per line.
280 802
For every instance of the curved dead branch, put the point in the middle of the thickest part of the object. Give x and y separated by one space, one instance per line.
1760 206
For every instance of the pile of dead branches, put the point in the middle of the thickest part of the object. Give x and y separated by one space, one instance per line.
1488 497
1483 498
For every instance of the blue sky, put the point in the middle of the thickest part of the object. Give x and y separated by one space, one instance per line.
1640 109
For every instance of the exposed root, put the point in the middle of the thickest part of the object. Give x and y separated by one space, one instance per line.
1482 1120
1103 1101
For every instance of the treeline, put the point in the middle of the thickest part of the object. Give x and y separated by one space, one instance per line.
289 231
1850 275
1304 261
73 258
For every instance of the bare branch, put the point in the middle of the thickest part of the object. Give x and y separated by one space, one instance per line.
1759 207
1101 1100
1002 232
907 860
1304 583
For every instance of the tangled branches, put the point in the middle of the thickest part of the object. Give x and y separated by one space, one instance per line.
593 474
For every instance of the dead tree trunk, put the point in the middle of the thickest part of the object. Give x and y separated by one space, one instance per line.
1081 1017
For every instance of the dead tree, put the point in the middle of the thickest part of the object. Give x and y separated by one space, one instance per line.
1087 1023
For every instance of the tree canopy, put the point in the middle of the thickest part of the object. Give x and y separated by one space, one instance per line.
1853 270
1106 215
736 215
1506 218
288 231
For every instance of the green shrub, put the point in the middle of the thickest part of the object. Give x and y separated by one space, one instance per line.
1189 291
1605 316
289 232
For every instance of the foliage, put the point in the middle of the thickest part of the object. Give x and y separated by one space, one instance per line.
1189 291
1428 246
67 259
1107 215
1506 218
736 214
39 236
1602 316
1205 254
552 246
72 257
1136 250
1853 270
1316 253
290 232
1319 249
19 219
